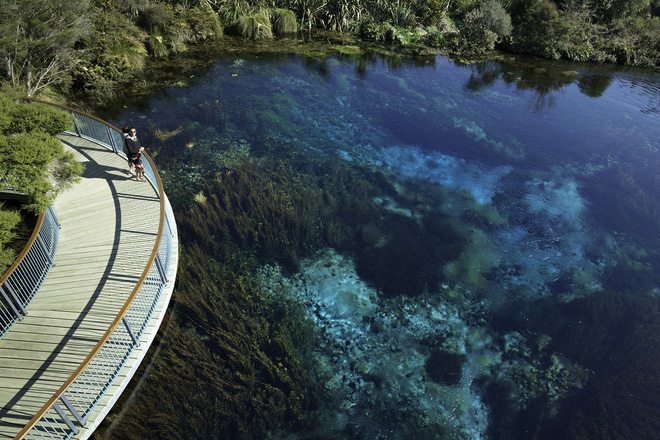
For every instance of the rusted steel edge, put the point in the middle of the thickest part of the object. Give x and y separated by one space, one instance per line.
37 417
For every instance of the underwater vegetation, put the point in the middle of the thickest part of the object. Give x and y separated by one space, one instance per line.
614 335
252 349
226 366
387 262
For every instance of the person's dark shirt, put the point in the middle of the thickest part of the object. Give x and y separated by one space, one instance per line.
132 145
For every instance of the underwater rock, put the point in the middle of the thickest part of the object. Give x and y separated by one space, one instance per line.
444 367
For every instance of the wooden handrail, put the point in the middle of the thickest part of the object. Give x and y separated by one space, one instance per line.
26 248
32 423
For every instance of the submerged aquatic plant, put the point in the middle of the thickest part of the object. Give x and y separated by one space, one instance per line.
229 365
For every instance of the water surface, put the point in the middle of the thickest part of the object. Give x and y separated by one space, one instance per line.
506 286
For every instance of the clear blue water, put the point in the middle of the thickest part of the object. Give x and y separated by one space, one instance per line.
548 316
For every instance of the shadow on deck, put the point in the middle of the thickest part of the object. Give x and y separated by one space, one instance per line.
109 224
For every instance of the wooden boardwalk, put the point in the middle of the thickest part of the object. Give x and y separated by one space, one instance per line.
109 224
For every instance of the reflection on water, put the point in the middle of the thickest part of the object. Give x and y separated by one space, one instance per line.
474 246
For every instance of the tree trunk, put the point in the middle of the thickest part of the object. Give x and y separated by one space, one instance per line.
28 77
10 70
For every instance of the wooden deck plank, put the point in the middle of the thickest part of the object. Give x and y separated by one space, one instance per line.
109 223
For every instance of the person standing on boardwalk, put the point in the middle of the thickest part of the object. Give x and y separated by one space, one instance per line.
133 149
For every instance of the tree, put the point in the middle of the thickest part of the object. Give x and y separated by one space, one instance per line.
485 25
37 39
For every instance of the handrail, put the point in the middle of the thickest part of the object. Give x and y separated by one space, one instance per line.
21 282
26 248
58 424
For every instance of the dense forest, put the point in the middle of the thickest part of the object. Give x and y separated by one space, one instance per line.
95 46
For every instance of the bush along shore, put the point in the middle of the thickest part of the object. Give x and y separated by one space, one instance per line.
96 47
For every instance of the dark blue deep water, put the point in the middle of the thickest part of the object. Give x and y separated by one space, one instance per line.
545 323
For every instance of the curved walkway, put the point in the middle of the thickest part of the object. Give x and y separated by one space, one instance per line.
109 223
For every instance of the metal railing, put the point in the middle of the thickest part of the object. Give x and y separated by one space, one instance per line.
69 407
20 284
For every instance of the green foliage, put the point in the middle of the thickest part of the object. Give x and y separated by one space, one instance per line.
256 25
154 15
574 36
375 31
495 18
401 14
157 43
284 22
433 11
635 41
343 15
37 39
19 118
9 219
30 152
110 55
308 11
608 10
201 21
477 36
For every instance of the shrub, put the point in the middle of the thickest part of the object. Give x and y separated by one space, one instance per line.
434 11
374 31
284 22
495 18
402 14
30 153
157 44
255 26
109 55
575 37
9 219
203 22
478 37
154 15
26 118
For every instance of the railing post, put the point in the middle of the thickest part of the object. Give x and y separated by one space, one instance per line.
161 269
112 140
42 245
167 222
75 123
72 410
66 419
130 330
12 304
54 215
